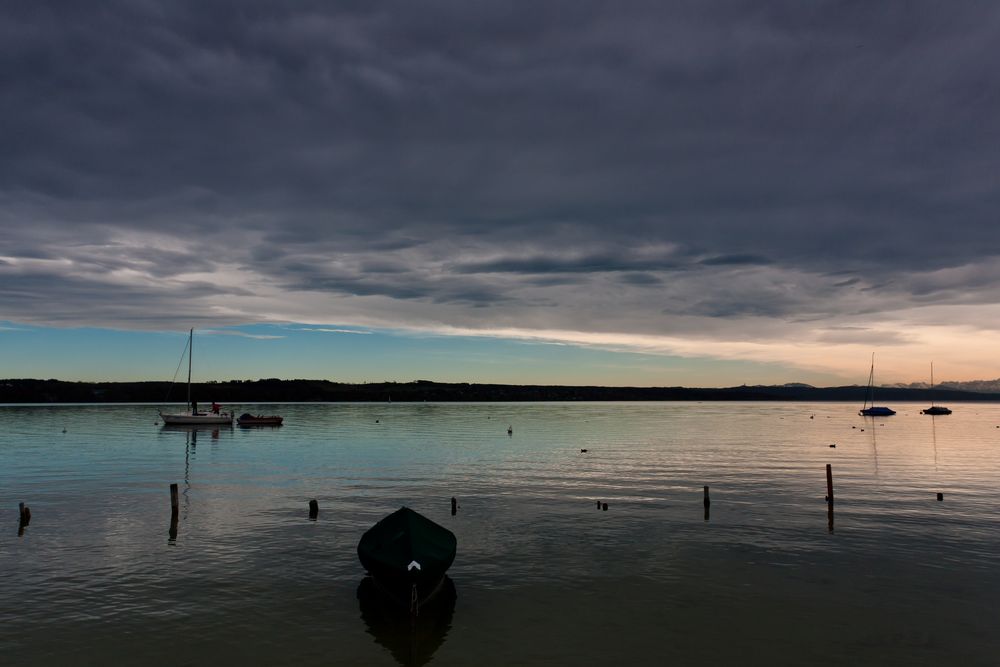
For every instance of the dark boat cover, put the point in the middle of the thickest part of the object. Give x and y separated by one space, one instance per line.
406 549
876 411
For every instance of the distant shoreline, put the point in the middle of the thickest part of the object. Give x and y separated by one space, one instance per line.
323 391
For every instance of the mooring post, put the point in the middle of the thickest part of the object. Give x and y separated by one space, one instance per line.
707 501
174 509
598 504
24 516
454 506
313 509
604 506
940 496
829 497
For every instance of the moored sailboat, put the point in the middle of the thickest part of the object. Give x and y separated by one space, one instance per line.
192 416
934 409
869 409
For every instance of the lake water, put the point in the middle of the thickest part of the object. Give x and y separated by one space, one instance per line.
542 576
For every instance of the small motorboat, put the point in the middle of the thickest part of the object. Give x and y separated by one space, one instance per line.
407 556
247 419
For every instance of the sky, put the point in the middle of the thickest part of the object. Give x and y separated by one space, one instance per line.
545 192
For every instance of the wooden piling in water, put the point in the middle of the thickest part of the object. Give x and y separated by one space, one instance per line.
829 483
454 506
829 497
24 517
707 501
313 509
940 496
174 510
604 506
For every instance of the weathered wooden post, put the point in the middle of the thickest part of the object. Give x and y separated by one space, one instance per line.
940 496
708 504
454 506
24 518
829 497
604 506
174 510
313 509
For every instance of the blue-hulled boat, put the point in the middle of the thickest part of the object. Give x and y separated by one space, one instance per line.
869 409
934 409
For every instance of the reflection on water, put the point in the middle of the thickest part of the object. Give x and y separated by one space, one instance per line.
904 579
934 439
871 430
412 639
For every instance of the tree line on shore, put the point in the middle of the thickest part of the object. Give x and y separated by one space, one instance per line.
307 391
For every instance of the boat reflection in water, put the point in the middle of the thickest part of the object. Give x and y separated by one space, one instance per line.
411 638
193 430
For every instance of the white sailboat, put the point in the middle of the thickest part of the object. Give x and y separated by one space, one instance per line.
192 415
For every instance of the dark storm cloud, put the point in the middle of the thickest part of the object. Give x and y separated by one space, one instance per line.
735 260
479 154
589 263
124 305
640 279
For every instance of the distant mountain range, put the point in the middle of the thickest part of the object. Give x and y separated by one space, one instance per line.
978 386
275 390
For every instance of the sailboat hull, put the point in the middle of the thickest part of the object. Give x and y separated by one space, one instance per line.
876 411
224 418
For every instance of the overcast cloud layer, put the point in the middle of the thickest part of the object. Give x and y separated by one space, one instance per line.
799 182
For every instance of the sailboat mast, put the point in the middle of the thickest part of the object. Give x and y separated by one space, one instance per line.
190 354
932 384
870 395
871 382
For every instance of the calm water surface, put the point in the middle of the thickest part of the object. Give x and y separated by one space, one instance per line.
542 576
